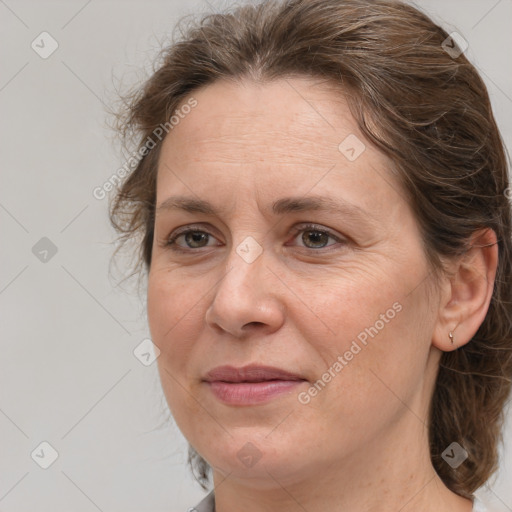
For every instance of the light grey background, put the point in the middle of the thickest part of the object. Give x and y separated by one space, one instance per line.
68 375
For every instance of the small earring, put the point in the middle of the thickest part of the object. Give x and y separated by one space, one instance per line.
450 335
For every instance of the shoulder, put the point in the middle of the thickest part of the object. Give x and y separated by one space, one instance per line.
480 506
205 505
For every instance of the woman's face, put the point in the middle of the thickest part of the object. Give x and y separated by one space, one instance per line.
305 257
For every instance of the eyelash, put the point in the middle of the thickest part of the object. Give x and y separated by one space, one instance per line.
296 230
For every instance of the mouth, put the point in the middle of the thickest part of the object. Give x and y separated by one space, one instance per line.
250 373
251 384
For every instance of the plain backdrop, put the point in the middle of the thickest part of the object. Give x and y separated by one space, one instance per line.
68 373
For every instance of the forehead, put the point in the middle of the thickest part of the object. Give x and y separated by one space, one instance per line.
293 112
270 136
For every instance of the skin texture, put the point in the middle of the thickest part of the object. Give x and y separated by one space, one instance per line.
360 444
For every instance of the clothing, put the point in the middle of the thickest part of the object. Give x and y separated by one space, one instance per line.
208 505
478 506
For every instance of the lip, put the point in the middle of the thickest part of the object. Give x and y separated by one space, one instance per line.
250 373
250 384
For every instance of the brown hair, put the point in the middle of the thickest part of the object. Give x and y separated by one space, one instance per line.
426 108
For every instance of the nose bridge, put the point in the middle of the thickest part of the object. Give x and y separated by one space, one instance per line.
245 298
246 265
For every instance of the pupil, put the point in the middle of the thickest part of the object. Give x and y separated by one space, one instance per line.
196 238
318 238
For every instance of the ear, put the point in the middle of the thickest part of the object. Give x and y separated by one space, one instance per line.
466 292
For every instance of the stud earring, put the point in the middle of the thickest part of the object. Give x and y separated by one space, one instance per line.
452 339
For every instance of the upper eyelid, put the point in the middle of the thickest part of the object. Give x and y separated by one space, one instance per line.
301 226
191 227
311 226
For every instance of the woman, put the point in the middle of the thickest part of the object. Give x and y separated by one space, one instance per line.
321 191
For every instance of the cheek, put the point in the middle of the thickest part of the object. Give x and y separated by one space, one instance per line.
344 306
388 357
378 323
175 318
174 314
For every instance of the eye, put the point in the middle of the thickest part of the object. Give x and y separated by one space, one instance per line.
314 237
311 237
190 239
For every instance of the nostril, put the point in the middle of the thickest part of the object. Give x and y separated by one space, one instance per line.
253 324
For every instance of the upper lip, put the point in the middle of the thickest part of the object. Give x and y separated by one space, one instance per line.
250 373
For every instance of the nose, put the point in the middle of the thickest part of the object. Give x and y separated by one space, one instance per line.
246 299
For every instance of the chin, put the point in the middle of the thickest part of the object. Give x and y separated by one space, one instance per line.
257 458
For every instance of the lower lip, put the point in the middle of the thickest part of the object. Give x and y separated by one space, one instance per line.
248 393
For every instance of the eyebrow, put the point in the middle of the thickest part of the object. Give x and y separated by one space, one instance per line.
279 207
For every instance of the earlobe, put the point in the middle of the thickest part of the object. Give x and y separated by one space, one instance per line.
467 292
